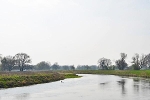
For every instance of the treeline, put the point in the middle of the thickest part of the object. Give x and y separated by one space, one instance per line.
137 63
22 61
47 66
87 67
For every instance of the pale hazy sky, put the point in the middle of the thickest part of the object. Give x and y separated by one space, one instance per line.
74 31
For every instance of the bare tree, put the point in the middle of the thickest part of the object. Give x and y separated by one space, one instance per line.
0 56
123 56
121 63
147 60
8 63
104 63
136 61
141 61
21 60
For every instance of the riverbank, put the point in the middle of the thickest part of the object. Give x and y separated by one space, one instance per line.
18 79
132 73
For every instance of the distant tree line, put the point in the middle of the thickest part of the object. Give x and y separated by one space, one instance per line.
87 67
138 62
22 61
47 66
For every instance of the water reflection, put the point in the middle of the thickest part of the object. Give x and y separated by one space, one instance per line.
23 96
141 85
104 83
122 84
136 87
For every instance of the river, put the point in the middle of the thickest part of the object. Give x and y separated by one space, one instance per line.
88 87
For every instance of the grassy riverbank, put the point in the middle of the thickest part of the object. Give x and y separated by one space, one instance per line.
133 73
18 79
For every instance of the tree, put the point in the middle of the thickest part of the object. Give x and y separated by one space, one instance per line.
147 60
136 61
21 59
104 63
121 63
43 65
55 66
72 67
87 67
79 67
0 56
141 61
112 67
65 67
8 63
0 63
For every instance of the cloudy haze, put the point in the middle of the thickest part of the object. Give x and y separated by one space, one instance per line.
74 31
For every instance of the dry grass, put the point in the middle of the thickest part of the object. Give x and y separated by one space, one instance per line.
17 79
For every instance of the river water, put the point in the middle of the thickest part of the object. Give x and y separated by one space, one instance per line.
88 87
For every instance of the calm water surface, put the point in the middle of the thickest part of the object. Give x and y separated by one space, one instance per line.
89 87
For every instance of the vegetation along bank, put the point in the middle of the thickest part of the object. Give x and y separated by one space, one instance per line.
132 73
18 79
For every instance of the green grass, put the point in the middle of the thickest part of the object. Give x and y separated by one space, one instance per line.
134 73
71 75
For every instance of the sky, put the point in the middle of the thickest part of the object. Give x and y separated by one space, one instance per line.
74 32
